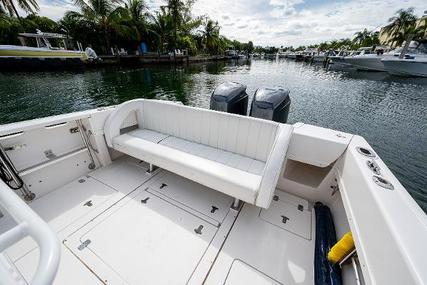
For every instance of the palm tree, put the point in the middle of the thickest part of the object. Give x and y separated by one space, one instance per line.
29 6
400 25
211 36
360 37
137 17
105 14
403 19
176 10
162 28
409 33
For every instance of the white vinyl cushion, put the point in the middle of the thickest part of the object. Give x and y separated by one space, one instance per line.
224 157
148 135
237 155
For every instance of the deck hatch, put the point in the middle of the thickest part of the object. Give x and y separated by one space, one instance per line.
289 216
164 243
184 193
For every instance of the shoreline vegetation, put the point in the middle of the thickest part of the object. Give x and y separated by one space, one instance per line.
112 25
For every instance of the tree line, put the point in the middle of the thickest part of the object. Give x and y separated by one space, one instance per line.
401 26
106 24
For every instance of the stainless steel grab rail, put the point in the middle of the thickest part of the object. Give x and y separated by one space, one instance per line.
29 223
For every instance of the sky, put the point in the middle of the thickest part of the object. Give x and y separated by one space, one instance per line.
282 22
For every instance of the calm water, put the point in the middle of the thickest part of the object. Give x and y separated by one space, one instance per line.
391 113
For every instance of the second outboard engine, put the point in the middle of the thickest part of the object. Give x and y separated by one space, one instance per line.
271 104
230 97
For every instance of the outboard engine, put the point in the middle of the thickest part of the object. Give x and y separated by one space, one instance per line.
230 97
271 104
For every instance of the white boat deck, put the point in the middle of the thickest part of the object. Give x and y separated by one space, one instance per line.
122 225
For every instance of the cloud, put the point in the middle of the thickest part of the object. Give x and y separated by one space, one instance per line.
283 8
282 22
295 22
288 33
55 9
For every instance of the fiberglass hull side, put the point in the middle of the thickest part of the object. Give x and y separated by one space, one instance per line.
366 63
406 67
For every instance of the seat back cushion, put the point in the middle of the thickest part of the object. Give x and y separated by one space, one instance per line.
246 136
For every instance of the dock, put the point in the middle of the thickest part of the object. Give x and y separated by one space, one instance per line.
136 60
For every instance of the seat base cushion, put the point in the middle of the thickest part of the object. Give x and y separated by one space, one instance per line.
224 157
148 135
195 162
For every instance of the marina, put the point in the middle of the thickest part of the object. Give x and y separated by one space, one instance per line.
215 143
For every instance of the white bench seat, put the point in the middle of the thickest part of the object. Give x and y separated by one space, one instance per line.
237 155
232 181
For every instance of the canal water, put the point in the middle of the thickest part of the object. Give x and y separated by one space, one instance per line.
390 112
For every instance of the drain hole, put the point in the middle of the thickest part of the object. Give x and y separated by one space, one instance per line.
382 182
365 151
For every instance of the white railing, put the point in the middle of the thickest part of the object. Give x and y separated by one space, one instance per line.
29 223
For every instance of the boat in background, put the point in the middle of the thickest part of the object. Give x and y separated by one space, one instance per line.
413 63
296 56
292 55
231 53
369 58
337 62
42 51
270 55
321 56
282 54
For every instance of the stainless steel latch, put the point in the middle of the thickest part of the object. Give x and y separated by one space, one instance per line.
84 244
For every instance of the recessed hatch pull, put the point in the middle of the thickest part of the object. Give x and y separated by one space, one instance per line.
144 201
284 219
49 154
84 244
300 207
88 203
199 230
163 185
214 209
74 130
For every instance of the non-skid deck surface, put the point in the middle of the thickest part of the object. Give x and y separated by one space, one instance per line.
264 250
120 225
71 206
